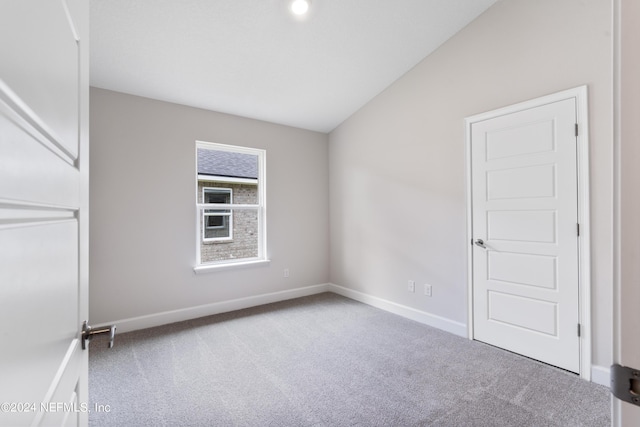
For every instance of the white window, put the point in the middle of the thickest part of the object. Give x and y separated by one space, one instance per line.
218 223
231 205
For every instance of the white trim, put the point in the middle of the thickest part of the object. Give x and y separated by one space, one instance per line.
227 147
601 375
222 206
584 242
173 316
229 265
229 180
468 199
618 414
164 318
261 207
423 317
579 93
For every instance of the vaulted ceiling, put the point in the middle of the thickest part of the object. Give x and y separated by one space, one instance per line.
253 58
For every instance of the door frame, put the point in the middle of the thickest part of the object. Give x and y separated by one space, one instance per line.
584 242
626 225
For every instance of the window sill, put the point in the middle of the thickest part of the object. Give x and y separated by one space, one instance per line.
210 268
216 242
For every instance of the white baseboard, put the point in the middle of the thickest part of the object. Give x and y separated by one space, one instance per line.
164 318
601 375
439 322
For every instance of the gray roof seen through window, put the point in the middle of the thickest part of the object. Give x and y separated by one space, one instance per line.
227 164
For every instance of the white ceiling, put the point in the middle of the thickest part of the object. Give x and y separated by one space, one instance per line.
254 59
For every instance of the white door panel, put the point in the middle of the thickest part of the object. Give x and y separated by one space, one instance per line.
523 226
523 312
48 176
524 208
533 182
538 138
523 269
43 211
42 260
40 64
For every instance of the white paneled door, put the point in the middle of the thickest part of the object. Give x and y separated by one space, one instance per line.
43 211
524 220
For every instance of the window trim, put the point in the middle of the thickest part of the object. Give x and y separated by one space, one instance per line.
212 267
228 214
249 181
261 207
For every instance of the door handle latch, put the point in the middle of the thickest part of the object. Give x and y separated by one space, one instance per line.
88 333
480 243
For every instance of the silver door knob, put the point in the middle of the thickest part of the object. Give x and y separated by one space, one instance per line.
88 333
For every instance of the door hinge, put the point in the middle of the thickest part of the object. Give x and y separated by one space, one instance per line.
625 384
579 330
576 129
578 228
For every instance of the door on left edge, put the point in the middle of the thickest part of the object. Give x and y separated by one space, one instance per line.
43 211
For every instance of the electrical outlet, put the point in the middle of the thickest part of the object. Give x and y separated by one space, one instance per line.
427 290
411 286
286 272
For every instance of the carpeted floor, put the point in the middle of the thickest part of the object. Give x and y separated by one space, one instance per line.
326 360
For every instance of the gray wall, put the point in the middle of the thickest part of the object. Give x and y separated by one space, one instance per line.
393 175
397 167
143 215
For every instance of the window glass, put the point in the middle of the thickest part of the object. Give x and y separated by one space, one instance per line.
218 223
230 176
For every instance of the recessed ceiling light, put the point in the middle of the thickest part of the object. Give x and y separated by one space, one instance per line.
300 7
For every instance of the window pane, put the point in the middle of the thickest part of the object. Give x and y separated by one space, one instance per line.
229 164
225 169
218 225
231 176
243 194
244 243
217 196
